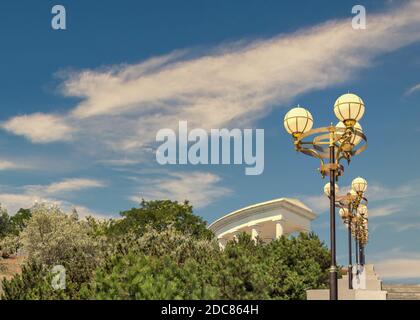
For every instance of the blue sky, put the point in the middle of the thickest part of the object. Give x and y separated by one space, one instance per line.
81 107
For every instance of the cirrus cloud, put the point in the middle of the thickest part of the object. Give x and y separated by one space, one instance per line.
200 188
56 193
39 127
124 106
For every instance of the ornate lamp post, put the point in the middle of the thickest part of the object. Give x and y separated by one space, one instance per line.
346 215
361 231
332 143
349 204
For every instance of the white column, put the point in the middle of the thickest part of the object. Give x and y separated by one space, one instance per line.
222 243
279 229
235 235
255 232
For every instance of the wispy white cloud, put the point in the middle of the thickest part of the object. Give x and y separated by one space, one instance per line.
39 127
124 106
377 194
399 268
119 162
401 225
396 263
412 90
9 165
73 185
64 186
14 201
385 210
318 203
27 196
407 226
200 188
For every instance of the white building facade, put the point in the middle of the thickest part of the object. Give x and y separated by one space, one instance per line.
267 220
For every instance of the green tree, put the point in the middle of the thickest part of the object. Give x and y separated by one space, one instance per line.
5 225
161 251
296 264
34 283
19 221
160 215
10 227
162 264
172 265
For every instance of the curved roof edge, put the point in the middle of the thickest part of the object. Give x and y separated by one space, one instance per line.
291 202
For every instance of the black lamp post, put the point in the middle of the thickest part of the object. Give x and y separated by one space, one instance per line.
350 269
333 144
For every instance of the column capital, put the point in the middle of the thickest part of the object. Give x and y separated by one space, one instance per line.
278 218
256 226
235 234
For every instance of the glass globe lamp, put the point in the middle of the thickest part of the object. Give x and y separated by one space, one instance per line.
349 108
359 185
298 121
354 139
363 210
344 213
327 189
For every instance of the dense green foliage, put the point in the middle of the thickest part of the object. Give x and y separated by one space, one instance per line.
168 265
159 215
13 225
34 283
4 223
161 251
19 221
10 228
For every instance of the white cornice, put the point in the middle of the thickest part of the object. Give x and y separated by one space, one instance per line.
293 205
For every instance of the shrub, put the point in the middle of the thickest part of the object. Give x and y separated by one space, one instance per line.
158 257
51 238
5 226
157 265
19 221
34 283
9 246
172 265
160 215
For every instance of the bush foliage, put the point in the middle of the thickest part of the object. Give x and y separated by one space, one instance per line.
160 250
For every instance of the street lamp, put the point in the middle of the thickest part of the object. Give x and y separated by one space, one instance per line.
332 143
352 206
354 201
346 215
359 186
361 231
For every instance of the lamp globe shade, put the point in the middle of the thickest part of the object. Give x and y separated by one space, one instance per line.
344 213
327 189
355 139
349 108
297 121
359 185
353 193
363 210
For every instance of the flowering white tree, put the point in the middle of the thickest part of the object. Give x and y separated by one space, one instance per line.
53 237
